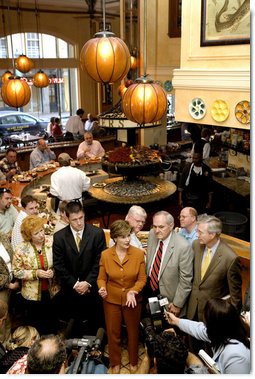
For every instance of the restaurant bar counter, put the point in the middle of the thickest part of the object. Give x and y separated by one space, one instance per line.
70 147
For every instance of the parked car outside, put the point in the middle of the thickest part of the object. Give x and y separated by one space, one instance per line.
14 124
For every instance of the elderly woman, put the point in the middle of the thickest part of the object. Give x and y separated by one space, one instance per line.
7 282
32 263
120 281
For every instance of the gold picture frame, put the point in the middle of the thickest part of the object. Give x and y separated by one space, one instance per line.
225 22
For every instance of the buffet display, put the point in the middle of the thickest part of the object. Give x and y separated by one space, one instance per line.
132 161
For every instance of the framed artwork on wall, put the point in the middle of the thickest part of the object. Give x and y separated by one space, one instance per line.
174 18
225 22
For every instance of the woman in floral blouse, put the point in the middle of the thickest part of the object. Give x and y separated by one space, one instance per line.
33 264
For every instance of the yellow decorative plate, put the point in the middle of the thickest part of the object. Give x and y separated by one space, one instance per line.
242 112
220 110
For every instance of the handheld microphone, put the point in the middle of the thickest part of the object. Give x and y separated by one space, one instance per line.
99 338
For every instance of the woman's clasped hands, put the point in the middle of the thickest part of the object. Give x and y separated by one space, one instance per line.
102 292
44 274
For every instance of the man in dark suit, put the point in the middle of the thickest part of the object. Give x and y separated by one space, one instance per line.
76 253
217 270
176 267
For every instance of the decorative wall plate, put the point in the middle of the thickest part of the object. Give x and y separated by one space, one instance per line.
168 85
197 108
242 112
220 110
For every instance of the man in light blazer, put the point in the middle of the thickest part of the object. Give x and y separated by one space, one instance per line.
222 278
176 268
77 264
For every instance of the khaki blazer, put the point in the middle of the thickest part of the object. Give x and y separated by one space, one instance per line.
175 280
119 278
222 277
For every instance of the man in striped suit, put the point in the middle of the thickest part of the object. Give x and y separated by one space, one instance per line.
169 264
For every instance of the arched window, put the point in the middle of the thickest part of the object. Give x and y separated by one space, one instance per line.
60 97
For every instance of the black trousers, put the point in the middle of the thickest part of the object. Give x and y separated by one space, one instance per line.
41 314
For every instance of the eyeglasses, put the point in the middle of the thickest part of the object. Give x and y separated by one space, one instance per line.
138 221
4 190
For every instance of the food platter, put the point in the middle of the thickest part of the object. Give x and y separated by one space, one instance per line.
99 185
41 168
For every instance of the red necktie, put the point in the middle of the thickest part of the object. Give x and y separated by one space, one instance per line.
156 267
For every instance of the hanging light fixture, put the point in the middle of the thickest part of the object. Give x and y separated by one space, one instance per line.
40 79
7 73
6 76
144 101
22 63
15 92
105 57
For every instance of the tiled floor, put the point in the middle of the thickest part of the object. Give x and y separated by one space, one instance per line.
125 360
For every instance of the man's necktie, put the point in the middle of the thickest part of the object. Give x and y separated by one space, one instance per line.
78 241
156 267
206 262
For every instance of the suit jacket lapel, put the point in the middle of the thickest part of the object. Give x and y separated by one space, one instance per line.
168 254
214 262
70 239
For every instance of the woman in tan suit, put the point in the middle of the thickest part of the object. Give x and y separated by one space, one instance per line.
120 281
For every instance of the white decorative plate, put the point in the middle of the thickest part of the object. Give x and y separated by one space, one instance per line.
197 108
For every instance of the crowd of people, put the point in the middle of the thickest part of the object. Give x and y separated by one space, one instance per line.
75 281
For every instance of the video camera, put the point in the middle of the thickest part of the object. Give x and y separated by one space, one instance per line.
89 350
155 323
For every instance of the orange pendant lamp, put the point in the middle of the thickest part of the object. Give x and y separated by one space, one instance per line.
40 79
144 101
23 63
105 57
15 92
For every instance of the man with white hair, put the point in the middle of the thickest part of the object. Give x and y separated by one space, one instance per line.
217 272
136 218
169 264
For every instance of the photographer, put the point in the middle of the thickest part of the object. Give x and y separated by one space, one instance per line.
168 354
225 331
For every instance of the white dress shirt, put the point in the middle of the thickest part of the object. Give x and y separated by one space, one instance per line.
91 151
16 234
68 183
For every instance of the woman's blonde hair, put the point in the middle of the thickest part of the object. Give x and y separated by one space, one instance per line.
31 224
120 228
23 336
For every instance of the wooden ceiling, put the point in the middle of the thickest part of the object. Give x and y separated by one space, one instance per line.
64 6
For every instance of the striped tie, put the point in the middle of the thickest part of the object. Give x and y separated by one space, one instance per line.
156 267
78 241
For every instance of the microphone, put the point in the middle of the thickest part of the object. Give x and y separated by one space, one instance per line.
99 338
